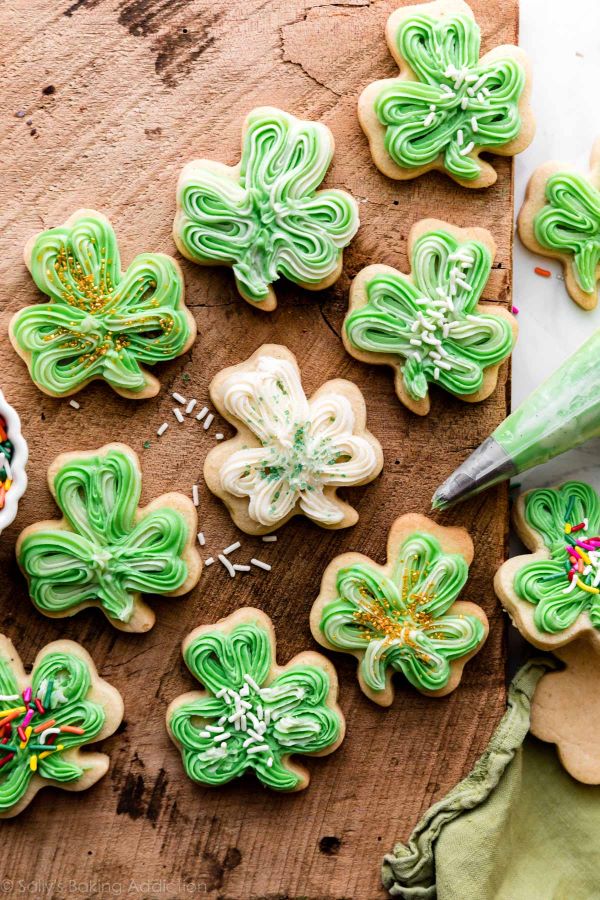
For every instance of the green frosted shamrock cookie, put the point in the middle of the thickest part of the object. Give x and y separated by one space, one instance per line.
100 322
253 715
404 616
448 105
46 717
553 593
106 551
430 326
265 217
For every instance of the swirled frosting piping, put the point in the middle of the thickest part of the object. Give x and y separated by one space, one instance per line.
100 322
267 219
567 583
458 104
38 725
431 321
248 719
569 223
104 554
402 621
305 446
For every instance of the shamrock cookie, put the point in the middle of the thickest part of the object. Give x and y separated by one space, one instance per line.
429 326
13 459
46 717
566 710
553 594
561 219
448 105
100 323
106 551
291 454
253 714
265 217
404 616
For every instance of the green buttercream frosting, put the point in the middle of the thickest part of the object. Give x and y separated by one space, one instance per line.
402 621
265 218
105 552
457 105
569 222
248 719
61 683
431 321
99 322
557 587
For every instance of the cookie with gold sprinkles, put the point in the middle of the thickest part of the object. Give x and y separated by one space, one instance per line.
99 322
404 616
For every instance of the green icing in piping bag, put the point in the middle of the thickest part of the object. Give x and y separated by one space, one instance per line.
562 413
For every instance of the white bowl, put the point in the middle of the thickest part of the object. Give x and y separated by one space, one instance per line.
17 464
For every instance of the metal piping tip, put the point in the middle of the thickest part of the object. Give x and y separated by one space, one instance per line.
487 465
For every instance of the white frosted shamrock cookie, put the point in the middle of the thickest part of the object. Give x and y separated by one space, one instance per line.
265 217
553 593
430 326
106 551
253 715
46 717
403 617
290 454
560 218
448 105
99 322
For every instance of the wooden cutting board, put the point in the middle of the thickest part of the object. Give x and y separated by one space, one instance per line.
116 97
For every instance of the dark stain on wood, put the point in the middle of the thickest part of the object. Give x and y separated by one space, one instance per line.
157 796
330 845
131 798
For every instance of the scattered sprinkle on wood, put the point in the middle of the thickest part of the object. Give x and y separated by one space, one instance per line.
190 407
178 414
219 436
260 564
162 429
201 538
239 567
74 404
208 421
231 548
202 413
227 564
195 495
269 538
178 398
209 561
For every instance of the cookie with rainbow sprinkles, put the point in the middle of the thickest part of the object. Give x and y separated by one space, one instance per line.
99 323
553 593
405 616
47 717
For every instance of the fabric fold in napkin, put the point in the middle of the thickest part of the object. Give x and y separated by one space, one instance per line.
517 827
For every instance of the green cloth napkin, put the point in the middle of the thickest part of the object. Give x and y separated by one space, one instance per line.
518 827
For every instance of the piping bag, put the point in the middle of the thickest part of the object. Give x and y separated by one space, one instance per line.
562 413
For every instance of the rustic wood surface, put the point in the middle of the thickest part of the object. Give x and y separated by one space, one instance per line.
104 101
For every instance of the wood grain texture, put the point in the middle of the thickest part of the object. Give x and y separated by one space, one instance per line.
117 95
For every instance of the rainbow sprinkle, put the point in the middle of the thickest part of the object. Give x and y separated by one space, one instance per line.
6 454
583 566
28 737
